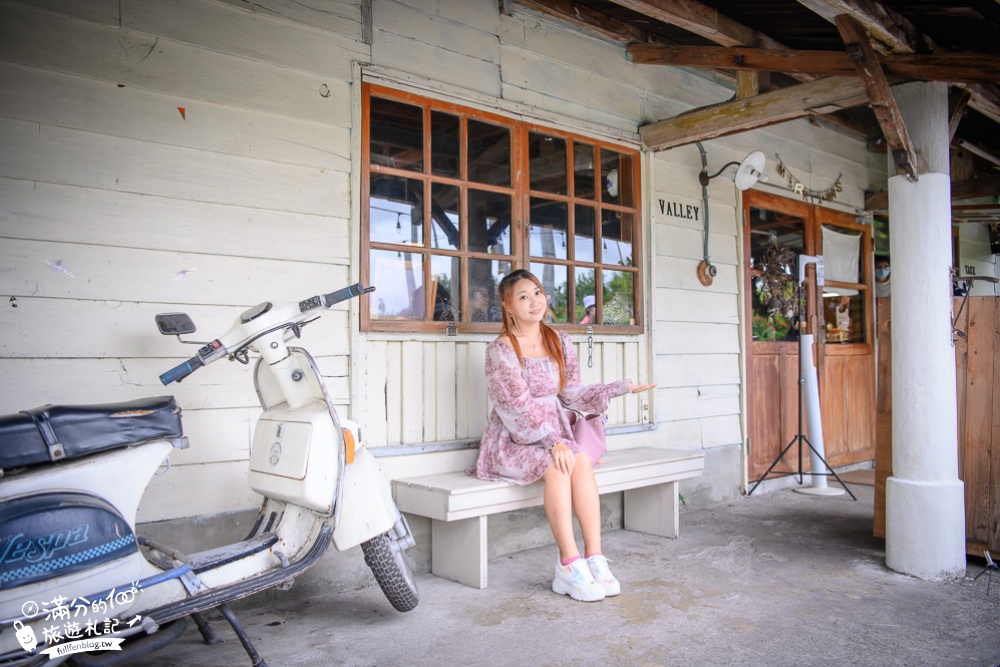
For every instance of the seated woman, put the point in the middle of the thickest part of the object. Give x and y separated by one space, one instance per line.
534 376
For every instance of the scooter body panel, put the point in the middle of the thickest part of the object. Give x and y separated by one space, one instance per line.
295 456
368 494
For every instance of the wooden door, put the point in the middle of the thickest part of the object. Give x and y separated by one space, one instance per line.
777 231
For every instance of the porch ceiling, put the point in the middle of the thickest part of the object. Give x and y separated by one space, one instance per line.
829 60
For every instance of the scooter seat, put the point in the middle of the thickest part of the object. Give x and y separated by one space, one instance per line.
58 432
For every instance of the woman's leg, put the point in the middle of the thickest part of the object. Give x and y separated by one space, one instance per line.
558 501
587 503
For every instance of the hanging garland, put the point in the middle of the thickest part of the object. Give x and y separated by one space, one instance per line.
800 188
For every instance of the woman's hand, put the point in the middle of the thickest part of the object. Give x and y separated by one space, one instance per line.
639 388
563 458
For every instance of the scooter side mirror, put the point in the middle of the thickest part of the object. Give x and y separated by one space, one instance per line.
174 324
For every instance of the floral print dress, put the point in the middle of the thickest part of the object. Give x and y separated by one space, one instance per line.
529 415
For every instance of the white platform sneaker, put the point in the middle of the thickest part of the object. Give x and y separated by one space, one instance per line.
576 581
602 574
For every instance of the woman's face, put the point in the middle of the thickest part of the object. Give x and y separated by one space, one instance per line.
528 302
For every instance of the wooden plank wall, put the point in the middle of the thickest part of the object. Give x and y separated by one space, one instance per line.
977 372
115 205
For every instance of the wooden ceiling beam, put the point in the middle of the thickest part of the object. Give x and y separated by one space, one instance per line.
890 32
861 53
585 17
975 188
958 100
823 95
896 34
967 68
701 20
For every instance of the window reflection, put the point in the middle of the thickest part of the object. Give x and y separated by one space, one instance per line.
616 238
446 276
445 230
584 233
618 296
484 302
489 153
398 279
583 171
489 222
396 211
547 163
445 144
548 228
397 134
586 299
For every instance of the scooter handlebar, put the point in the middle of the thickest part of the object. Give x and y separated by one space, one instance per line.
181 371
346 293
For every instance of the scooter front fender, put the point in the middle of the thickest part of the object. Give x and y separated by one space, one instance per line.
369 509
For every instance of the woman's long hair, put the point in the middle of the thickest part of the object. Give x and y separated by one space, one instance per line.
550 338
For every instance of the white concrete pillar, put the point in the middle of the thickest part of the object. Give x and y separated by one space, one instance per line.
925 504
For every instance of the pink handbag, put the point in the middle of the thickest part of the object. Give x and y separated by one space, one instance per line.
588 431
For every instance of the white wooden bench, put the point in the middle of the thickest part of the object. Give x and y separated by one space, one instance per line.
458 504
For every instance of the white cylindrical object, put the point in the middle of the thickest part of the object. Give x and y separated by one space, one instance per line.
814 419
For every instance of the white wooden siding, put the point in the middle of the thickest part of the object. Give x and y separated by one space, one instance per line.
114 206
428 391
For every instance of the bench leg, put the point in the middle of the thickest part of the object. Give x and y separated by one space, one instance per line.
653 510
458 550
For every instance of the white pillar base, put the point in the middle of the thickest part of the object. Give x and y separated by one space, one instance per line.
819 491
925 527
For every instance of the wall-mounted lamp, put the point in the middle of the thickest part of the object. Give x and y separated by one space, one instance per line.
749 171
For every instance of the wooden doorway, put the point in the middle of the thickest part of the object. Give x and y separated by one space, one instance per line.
840 315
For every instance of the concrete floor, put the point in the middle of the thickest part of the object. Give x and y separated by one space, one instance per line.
774 579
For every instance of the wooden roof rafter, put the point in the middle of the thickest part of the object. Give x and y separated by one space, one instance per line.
861 53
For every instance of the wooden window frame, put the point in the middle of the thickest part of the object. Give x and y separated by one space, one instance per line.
521 196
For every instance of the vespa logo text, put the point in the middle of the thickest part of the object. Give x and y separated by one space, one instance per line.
34 550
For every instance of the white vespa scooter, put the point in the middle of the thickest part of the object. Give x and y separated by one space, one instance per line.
76 581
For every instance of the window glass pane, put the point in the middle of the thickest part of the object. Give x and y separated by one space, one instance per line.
844 317
614 176
776 241
398 279
484 276
548 228
586 305
446 273
584 233
618 298
553 279
547 163
445 227
583 171
445 144
395 210
489 222
489 153
397 134
616 238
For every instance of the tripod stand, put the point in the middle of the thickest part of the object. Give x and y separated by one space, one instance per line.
799 436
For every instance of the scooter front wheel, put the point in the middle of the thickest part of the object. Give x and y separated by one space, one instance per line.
392 571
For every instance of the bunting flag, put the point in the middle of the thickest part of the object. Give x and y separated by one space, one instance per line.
183 112
798 187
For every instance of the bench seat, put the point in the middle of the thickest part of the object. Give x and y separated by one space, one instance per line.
459 504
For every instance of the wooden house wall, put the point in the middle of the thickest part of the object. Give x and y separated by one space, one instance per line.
200 155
